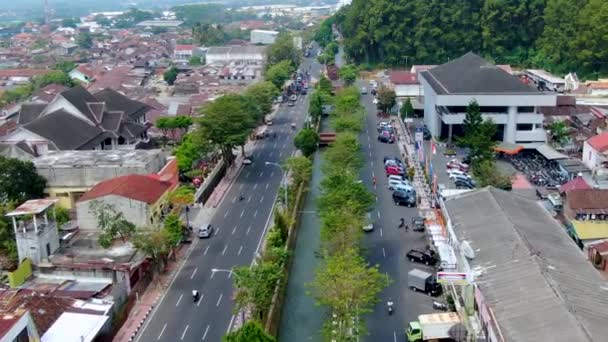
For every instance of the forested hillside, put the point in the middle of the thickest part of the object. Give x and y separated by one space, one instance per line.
558 35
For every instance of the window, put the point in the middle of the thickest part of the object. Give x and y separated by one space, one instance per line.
538 126
526 109
525 127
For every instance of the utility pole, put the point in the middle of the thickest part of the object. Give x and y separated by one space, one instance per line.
47 11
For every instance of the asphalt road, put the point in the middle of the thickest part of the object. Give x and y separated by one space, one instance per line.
239 229
387 245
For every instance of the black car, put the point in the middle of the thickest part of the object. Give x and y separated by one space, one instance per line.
466 184
404 198
386 137
418 223
426 134
422 257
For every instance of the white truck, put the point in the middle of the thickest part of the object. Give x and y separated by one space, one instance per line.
435 327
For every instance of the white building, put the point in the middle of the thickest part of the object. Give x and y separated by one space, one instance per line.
545 80
248 54
595 151
263 36
405 84
511 104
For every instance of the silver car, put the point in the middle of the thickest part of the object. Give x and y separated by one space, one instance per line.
369 223
205 231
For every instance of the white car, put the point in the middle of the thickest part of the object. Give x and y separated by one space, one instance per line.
396 178
394 184
369 223
456 172
403 187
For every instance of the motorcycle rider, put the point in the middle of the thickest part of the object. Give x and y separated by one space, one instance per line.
195 295
389 306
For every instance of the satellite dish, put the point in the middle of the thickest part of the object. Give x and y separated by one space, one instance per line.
467 250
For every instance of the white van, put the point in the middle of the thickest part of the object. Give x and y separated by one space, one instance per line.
403 187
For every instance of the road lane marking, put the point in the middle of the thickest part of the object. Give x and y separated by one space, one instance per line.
262 199
267 184
179 299
369 146
162 331
206 249
219 299
395 336
224 251
226 214
280 154
241 186
261 174
381 234
205 333
242 212
217 232
255 214
184 333
233 230
378 212
383 252
193 273
255 186
240 250
248 229
212 274
233 199
372 162
247 174
272 174
200 300
370 154
249 199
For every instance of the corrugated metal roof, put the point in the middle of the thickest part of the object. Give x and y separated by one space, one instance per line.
536 280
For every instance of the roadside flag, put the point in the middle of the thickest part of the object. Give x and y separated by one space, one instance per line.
435 184
433 147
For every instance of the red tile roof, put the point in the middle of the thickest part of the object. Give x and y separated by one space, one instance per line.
585 199
577 183
7 321
184 47
599 142
600 247
403 77
137 187
598 85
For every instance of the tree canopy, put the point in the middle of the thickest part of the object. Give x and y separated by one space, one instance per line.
170 75
262 94
478 134
306 141
112 223
279 73
252 331
19 181
386 99
283 49
84 40
519 32
348 74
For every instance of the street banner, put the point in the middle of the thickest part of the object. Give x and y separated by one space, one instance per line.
454 278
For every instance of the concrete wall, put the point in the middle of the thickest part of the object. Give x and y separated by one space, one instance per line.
431 117
32 246
590 157
134 211
407 90
263 37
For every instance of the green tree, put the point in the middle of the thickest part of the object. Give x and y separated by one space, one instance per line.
325 85
52 77
343 155
159 30
208 34
65 66
174 228
84 40
190 151
300 168
131 18
184 195
591 53
8 246
487 174
559 132
279 73
226 123
255 287
407 109
19 181
62 215
386 99
251 331
70 22
112 223
345 284
307 141
283 49
262 94
348 74
154 243
103 21
195 60
478 134
170 75
324 34
316 105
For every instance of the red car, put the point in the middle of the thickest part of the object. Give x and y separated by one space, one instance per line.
456 164
394 170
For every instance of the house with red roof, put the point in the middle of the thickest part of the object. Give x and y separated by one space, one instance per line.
183 52
595 152
83 73
140 198
404 83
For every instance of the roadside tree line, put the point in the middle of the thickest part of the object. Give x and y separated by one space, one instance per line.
344 282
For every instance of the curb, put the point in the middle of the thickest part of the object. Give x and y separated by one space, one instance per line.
141 322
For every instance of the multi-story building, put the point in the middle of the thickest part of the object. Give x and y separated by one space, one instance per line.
263 36
511 104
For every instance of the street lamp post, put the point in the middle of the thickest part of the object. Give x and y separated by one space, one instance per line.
230 272
284 177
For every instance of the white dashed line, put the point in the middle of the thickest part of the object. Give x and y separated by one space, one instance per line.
248 229
247 175
233 199
272 174
261 174
226 214
378 212
240 250
381 233
383 252
241 186
184 333
219 299
255 214
395 336
255 186
224 251
193 273
234 230
162 331
280 154
242 212
262 199
206 249
200 300
212 274
206 331
249 199
179 299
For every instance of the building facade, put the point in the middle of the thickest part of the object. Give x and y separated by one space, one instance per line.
511 104
263 37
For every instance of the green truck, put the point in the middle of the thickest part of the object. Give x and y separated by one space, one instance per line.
433 327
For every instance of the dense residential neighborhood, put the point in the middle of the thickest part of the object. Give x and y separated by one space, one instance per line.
303 171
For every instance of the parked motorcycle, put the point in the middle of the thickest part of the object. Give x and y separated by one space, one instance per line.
440 306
